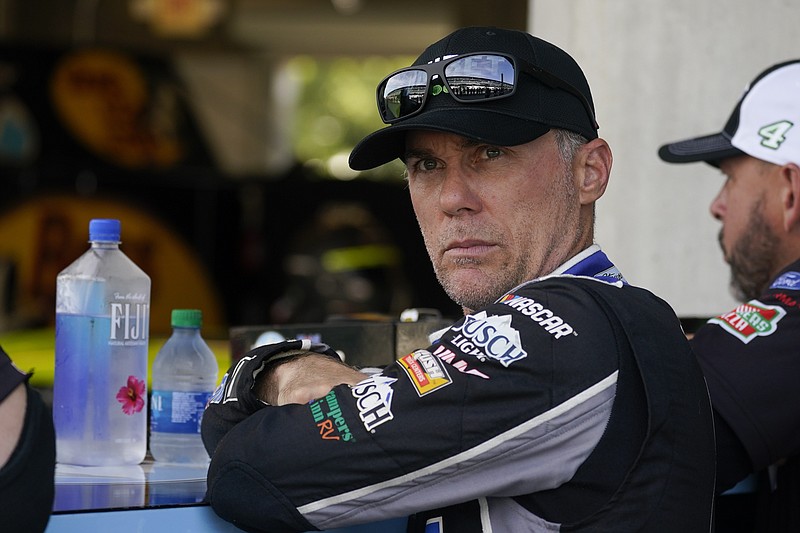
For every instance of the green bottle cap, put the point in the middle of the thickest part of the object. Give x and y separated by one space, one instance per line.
187 318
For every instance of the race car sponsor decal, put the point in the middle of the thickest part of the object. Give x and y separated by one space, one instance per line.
425 371
328 417
489 336
788 280
374 400
449 357
750 320
552 323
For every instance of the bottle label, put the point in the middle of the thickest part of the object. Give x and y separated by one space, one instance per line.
129 320
177 412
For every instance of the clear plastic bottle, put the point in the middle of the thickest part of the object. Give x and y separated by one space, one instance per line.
102 328
184 376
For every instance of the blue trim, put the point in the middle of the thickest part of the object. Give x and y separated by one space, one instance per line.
595 266
194 519
746 486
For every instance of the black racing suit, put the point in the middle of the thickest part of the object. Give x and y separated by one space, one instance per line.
570 404
751 359
27 479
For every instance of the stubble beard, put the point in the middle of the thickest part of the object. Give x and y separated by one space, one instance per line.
489 285
752 259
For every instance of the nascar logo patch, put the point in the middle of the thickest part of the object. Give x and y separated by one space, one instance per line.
750 320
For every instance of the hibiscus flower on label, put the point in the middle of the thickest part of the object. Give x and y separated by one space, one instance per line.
131 396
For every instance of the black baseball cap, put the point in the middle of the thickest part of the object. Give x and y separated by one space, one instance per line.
761 124
530 112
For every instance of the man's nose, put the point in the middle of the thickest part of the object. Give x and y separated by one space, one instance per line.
457 194
717 207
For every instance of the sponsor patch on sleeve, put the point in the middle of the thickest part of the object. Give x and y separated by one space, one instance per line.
329 419
789 281
750 320
491 337
551 322
374 400
425 371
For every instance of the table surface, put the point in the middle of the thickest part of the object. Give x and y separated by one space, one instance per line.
154 497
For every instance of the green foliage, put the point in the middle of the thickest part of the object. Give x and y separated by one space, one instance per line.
336 107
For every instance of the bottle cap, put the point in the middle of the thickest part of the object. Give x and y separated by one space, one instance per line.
104 229
187 318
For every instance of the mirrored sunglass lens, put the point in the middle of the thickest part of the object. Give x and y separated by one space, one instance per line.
480 76
403 93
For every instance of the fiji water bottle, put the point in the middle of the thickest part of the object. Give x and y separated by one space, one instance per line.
100 383
184 376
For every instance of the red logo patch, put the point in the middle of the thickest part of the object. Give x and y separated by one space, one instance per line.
750 320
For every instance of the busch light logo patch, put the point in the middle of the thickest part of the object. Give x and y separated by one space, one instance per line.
374 400
489 336
788 281
750 320
425 371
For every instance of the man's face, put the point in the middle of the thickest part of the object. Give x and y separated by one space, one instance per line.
492 217
748 237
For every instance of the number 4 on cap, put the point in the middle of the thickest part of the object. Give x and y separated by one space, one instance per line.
774 134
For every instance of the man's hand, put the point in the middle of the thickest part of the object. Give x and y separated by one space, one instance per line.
304 378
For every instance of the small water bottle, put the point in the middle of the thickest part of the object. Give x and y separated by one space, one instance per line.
100 381
184 376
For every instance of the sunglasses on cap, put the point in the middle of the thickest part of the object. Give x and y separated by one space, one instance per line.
470 78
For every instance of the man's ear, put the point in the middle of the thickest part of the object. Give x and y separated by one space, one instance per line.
592 167
790 196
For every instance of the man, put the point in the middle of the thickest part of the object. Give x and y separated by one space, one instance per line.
564 399
27 453
750 355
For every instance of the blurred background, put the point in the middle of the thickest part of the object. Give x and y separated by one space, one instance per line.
218 132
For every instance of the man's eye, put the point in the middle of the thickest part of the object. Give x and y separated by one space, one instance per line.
491 153
428 164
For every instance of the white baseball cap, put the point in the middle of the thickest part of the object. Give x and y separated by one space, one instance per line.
765 124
